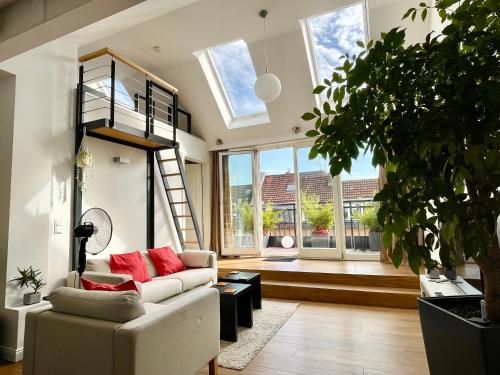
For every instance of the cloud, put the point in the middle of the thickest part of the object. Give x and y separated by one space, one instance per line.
236 71
334 34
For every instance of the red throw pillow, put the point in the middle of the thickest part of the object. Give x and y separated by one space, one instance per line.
127 285
131 264
166 261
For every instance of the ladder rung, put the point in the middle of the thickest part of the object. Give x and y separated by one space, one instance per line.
180 202
186 228
176 188
166 160
170 174
196 242
182 215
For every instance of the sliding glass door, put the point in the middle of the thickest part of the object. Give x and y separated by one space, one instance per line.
317 197
237 206
278 202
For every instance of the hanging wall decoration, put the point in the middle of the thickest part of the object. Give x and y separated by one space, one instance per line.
84 161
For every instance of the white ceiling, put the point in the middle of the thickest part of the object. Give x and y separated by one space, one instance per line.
206 23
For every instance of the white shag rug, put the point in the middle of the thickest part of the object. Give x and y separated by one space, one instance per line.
266 322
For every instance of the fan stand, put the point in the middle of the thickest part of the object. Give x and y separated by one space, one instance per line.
82 256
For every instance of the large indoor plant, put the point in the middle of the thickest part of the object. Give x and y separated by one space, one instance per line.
429 113
320 216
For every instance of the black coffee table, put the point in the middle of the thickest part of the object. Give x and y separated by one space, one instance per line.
235 309
252 278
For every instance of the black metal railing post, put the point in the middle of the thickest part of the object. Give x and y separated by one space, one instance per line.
148 106
175 118
112 100
77 192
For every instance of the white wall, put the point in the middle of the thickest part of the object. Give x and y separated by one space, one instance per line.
42 148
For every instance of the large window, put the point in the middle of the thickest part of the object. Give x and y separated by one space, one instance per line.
329 36
231 76
276 201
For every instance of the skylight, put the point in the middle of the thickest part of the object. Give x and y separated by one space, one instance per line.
231 77
331 35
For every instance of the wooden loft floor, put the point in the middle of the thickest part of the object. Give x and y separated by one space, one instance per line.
325 339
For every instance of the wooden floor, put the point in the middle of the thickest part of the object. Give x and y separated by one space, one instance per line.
326 339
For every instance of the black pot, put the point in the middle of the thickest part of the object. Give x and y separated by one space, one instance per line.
455 345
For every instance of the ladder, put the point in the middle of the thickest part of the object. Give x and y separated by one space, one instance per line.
179 199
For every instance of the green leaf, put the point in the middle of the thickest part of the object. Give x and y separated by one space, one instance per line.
414 260
408 12
319 89
423 5
308 116
359 43
424 14
326 108
312 133
316 111
397 255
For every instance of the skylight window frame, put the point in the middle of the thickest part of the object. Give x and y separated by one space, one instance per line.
305 25
219 91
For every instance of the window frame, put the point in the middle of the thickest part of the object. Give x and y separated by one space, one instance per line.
219 92
305 26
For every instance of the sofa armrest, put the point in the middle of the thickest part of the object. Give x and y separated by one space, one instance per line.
188 327
200 259
73 279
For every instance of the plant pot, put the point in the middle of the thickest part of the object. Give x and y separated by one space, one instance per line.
455 345
265 241
31 298
320 241
375 240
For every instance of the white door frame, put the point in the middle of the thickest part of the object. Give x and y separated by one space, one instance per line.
238 251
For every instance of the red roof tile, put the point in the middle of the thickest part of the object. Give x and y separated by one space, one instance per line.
280 188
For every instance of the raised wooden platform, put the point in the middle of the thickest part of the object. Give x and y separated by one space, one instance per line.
347 282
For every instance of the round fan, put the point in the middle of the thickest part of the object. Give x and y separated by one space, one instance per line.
103 229
94 230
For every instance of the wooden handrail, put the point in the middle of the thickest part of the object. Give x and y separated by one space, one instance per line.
117 56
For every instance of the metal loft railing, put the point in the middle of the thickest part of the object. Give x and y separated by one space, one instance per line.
114 88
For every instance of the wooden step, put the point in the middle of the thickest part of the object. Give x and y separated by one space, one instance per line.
371 280
344 294
186 228
179 202
170 174
166 160
175 188
183 216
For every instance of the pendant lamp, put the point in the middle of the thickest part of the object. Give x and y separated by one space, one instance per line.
267 86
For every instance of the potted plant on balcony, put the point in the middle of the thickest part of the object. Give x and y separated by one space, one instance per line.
270 220
32 278
246 214
369 218
429 113
320 216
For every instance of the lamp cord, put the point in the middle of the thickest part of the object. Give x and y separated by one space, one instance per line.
265 44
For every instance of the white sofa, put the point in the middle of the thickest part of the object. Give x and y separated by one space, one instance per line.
201 272
175 329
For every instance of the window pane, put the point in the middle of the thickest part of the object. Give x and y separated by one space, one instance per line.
358 188
278 201
237 74
238 207
316 200
333 35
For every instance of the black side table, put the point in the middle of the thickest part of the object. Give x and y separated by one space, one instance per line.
251 278
235 309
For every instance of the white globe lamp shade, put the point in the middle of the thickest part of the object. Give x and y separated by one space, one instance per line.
267 87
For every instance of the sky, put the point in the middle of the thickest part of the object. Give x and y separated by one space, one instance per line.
236 71
279 161
334 34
